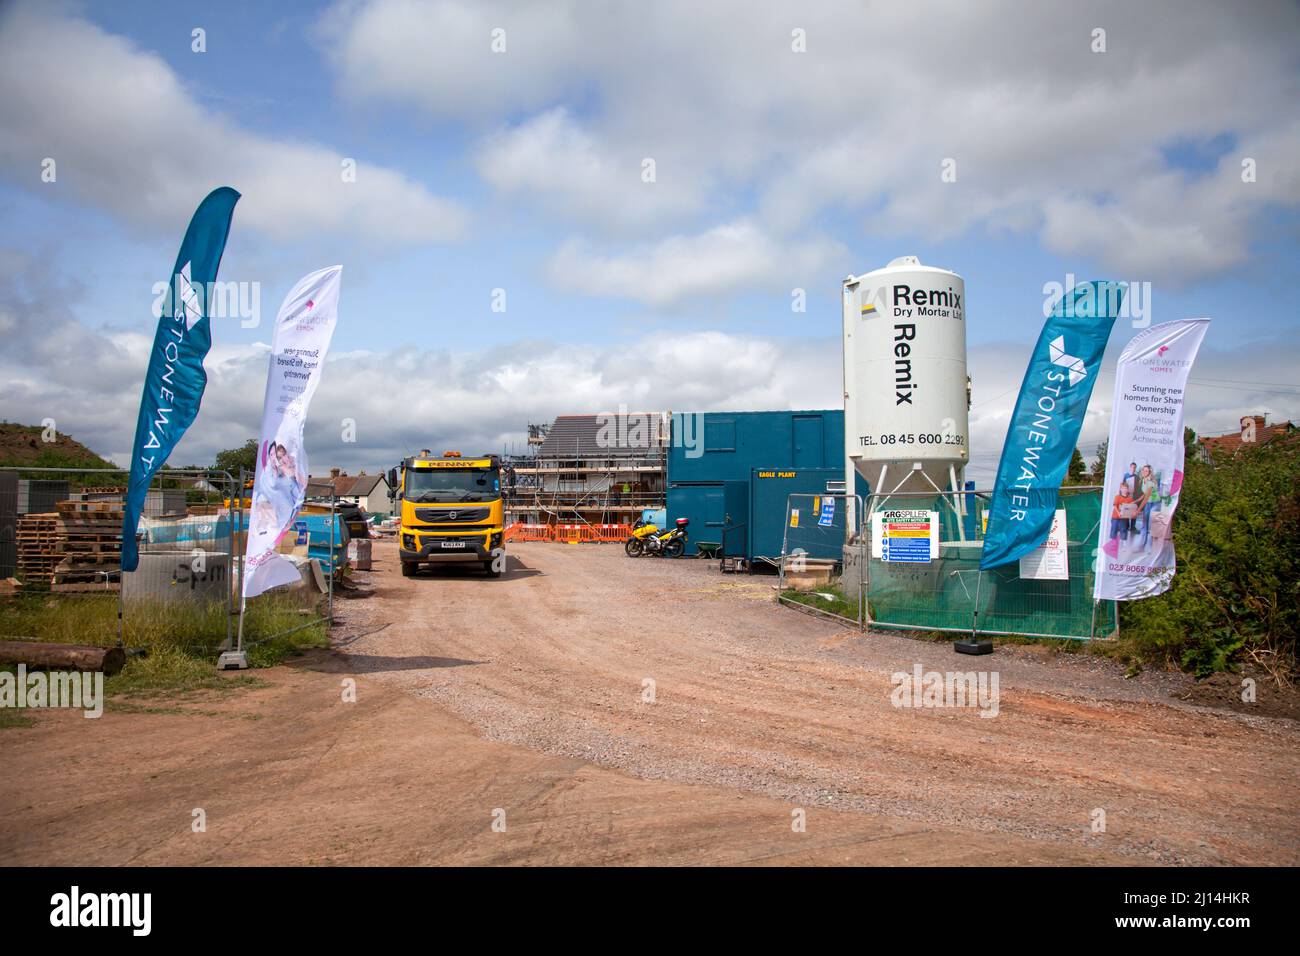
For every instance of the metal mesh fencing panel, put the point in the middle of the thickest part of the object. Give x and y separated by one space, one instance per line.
8 525
184 593
1048 596
68 544
903 590
813 556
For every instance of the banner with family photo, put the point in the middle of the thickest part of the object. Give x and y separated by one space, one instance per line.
303 329
1144 461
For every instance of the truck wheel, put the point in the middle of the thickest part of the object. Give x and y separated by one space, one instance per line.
408 569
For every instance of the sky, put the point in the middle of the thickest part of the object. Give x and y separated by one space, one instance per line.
576 207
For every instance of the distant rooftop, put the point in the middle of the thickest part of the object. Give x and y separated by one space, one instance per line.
1254 432
632 435
345 485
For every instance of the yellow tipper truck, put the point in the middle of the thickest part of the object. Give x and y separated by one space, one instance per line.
451 511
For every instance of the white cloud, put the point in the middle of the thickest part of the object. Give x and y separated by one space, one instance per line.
440 54
573 174
1048 136
128 137
485 398
737 255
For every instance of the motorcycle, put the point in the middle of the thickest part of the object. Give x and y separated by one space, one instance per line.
646 538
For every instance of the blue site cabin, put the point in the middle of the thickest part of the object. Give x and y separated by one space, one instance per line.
730 473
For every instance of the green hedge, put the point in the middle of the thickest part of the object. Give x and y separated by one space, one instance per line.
1236 595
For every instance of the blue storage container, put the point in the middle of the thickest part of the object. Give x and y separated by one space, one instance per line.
317 524
769 494
713 459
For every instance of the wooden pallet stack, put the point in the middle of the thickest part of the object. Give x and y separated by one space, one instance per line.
92 546
40 549
101 493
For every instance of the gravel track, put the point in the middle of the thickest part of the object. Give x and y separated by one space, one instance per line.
759 698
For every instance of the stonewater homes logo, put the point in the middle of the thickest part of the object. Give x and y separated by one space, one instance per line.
1077 370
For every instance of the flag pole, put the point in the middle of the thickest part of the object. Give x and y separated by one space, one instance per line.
235 659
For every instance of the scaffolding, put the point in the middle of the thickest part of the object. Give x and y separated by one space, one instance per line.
583 490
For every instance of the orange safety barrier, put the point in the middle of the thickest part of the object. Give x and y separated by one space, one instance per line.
568 533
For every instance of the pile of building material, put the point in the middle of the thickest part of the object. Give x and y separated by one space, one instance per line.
40 549
92 546
359 554
807 574
100 493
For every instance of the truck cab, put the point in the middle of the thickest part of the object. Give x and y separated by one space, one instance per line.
451 511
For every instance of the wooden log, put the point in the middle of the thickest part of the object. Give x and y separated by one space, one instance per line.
77 657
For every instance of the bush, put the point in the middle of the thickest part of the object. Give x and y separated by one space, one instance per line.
1236 595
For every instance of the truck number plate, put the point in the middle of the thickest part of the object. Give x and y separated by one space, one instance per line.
453 544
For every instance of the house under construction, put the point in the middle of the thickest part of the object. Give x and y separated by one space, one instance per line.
589 469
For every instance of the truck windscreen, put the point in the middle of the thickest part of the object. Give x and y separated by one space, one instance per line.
453 484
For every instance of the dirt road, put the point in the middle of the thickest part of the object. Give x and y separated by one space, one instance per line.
290 774
532 708
766 700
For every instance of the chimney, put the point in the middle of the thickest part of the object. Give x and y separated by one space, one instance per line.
334 472
1250 426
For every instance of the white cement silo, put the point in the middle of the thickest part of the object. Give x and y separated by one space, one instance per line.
906 406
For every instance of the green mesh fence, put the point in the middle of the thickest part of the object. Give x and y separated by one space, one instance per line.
952 594
812 556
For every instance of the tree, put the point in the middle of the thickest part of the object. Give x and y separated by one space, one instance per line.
232 459
1099 469
1236 595
1078 469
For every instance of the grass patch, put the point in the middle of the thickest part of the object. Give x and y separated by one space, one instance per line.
173 673
830 600
180 640
10 718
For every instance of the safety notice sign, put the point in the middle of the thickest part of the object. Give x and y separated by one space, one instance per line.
908 535
828 513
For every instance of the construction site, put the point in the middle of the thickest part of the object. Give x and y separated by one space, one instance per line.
651 712
664 631
508 435
589 470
